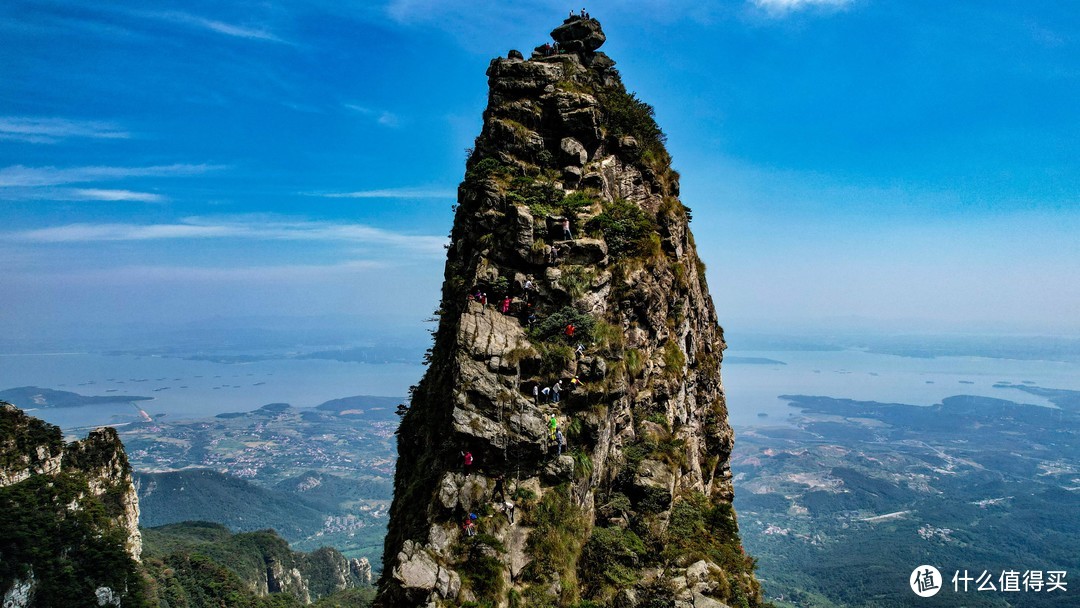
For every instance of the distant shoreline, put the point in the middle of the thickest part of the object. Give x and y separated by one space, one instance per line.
752 361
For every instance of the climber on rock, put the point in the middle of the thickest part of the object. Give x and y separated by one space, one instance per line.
570 330
467 462
553 424
500 488
536 394
555 390
505 305
566 230
547 393
560 442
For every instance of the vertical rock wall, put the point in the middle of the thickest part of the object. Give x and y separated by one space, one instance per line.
637 507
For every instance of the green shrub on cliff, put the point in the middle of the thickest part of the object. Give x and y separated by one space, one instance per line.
482 571
625 114
610 560
625 228
553 328
484 169
555 544
700 530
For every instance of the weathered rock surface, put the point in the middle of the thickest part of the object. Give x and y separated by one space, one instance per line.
85 486
642 485
577 34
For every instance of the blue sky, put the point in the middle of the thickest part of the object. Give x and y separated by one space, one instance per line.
907 164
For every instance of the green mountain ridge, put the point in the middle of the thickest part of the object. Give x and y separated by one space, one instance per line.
204 564
206 495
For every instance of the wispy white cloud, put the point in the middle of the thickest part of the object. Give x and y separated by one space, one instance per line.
249 228
50 130
291 273
779 8
98 194
20 176
382 117
213 25
78 194
399 193
142 274
83 233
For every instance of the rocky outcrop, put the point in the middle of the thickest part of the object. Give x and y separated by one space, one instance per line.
574 306
27 447
361 570
101 458
73 514
578 34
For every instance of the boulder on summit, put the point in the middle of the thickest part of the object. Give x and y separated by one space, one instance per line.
576 35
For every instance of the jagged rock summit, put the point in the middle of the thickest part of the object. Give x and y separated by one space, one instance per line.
578 34
569 441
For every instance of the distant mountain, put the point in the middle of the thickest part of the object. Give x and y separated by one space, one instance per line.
204 564
206 495
33 396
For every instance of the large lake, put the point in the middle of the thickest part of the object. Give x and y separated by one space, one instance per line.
187 389
193 389
753 388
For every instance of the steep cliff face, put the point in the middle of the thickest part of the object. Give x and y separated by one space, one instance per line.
71 514
569 226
